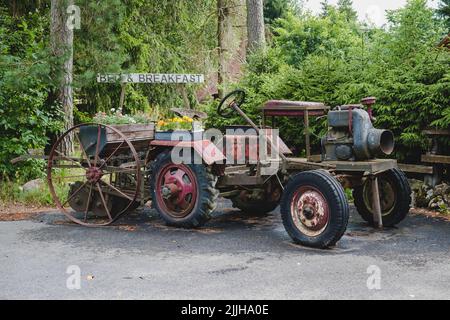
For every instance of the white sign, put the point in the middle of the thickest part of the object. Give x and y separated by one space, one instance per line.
151 78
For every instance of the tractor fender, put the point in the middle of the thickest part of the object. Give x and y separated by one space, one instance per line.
207 150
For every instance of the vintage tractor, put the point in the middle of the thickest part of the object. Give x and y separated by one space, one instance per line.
115 169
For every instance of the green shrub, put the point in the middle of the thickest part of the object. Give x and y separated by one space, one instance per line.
11 193
336 61
119 118
26 118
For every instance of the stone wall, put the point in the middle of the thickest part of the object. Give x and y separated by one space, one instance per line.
425 196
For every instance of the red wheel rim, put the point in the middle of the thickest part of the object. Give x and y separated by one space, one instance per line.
176 190
310 211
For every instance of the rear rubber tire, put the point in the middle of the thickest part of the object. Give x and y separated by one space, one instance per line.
402 199
331 192
207 195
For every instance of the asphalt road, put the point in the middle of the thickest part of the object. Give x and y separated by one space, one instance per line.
233 257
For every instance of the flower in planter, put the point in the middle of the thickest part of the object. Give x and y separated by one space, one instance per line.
176 123
117 118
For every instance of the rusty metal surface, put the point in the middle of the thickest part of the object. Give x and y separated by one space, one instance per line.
240 179
303 164
250 145
209 152
371 167
294 105
310 211
386 194
293 113
350 180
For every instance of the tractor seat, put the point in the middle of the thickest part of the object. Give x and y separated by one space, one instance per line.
285 108
296 105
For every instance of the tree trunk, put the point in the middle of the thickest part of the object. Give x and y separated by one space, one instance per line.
255 26
14 8
184 94
222 12
62 48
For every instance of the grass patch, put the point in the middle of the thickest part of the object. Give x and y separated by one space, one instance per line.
12 192
349 194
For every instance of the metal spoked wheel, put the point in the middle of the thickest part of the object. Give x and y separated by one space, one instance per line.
103 176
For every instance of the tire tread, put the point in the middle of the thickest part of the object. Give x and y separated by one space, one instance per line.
208 194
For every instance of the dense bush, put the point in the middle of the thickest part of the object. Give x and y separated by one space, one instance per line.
115 36
143 37
26 118
337 60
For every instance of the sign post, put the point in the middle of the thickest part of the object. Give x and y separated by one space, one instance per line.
122 95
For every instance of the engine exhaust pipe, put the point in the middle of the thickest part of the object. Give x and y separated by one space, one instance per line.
370 142
381 142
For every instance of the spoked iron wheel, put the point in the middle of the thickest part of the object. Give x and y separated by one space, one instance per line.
104 177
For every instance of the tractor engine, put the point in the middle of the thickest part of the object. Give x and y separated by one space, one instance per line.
351 135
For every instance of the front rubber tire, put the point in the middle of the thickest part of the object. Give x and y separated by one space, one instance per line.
332 197
206 197
394 210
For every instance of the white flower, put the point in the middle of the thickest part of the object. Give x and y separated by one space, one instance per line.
113 110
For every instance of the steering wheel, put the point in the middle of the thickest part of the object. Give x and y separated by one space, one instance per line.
231 100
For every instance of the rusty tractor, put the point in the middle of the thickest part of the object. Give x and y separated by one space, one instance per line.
115 169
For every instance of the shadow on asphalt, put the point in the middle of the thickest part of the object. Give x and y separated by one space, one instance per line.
230 230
